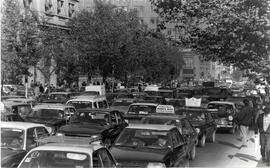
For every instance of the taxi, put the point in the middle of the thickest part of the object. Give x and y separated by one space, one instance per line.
17 138
182 123
68 152
122 104
30 101
59 97
52 115
90 101
224 113
90 122
138 110
149 145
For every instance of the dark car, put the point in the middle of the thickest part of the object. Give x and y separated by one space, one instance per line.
147 145
153 99
137 111
176 103
203 122
182 123
95 122
17 138
52 115
19 108
59 97
122 104
224 113
11 117
216 93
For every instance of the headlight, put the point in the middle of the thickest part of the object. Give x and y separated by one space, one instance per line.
156 165
230 118
197 130
59 134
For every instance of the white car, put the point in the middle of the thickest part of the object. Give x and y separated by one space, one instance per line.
74 152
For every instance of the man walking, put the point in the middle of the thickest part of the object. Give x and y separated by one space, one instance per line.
243 119
263 123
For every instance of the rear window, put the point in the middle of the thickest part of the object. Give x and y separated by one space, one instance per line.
81 104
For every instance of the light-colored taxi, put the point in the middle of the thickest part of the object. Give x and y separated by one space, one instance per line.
62 152
17 138
89 101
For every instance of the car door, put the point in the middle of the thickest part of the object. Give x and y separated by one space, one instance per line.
102 158
30 139
179 155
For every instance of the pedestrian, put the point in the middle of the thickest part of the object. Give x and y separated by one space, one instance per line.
243 119
41 88
36 90
263 124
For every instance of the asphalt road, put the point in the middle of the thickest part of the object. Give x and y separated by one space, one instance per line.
226 151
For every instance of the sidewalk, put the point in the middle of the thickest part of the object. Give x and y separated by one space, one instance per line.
247 156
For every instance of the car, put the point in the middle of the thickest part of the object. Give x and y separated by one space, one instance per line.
176 103
30 101
7 116
52 115
89 102
203 122
20 108
3 98
91 122
17 138
150 145
182 123
138 110
122 104
224 113
153 99
59 97
60 152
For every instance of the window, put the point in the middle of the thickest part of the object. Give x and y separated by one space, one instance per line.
177 138
100 104
48 5
41 132
30 139
95 105
102 158
113 118
59 6
71 9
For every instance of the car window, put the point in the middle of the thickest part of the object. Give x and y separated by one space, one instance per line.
41 132
30 138
95 105
102 158
118 117
105 104
113 118
100 104
177 139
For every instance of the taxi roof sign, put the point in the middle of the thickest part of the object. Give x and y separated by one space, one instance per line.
165 109
193 102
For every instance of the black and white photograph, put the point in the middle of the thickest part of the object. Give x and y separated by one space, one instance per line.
135 83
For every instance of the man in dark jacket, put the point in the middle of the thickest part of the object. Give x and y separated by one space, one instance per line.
263 125
243 119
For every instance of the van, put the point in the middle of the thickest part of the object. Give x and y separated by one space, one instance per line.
95 102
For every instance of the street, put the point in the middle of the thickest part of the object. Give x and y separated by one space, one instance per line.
226 152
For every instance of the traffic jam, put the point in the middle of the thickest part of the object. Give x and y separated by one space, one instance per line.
157 127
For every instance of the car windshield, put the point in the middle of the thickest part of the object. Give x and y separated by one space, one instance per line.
45 158
221 107
47 113
12 138
102 118
143 138
58 97
195 116
81 104
122 103
141 109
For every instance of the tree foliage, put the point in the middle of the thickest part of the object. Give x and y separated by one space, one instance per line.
19 39
234 32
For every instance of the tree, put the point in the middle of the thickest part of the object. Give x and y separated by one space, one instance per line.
19 39
228 31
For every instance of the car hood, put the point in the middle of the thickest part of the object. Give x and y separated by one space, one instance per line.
46 121
7 155
83 129
125 154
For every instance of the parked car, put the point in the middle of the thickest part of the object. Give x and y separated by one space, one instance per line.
203 122
92 122
52 115
147 145
60 152
17 138
182 123
224 112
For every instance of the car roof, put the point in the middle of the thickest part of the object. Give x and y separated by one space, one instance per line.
52 106
88 98
151 127
167 116
101 110
145 104
75 147
19 125
221 102
11 103
65 93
